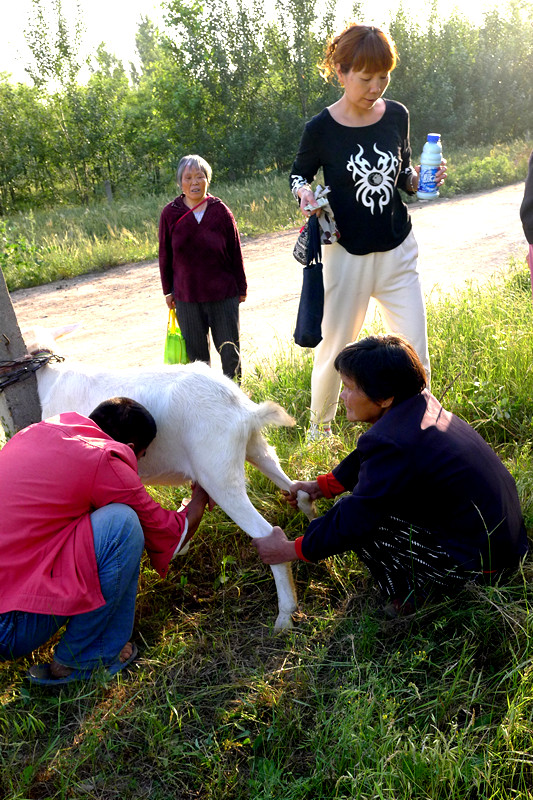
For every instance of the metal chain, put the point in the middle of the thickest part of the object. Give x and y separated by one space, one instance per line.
21 368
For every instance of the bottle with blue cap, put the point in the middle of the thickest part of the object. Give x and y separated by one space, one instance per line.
430 162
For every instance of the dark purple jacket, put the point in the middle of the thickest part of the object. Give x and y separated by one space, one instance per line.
526 208
426 466
200 262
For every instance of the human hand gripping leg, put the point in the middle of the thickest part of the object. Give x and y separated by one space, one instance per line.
302 495
194 507
275 548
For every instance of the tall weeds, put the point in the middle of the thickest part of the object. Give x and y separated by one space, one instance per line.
347 706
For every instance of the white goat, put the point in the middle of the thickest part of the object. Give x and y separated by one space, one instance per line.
206 429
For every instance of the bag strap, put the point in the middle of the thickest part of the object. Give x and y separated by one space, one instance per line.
314 246
172 323
191 209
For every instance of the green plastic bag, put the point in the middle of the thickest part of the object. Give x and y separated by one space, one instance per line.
175 352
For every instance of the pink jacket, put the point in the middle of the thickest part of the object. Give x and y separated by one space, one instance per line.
52 476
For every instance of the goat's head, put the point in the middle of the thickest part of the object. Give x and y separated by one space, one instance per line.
40 338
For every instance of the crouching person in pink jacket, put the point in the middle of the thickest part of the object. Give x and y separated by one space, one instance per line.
75 519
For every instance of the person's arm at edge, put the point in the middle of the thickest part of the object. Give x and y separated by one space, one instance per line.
526 207
165 255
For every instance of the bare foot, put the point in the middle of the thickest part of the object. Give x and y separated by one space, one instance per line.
126 652
60 671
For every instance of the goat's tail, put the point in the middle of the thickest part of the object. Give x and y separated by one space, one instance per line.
270 413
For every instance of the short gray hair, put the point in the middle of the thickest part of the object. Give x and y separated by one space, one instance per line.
194 161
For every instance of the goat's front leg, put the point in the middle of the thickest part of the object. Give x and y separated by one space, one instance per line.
237 506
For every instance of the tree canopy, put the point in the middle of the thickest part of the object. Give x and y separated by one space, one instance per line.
236 86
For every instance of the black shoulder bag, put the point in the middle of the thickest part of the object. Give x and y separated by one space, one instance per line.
308 331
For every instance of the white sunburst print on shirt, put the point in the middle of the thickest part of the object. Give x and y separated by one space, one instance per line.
373 182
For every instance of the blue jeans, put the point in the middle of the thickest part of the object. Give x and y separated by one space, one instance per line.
96 637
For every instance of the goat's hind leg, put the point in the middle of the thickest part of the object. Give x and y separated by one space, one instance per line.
262 456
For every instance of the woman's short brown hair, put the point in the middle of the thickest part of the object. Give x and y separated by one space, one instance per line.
362 48
383 367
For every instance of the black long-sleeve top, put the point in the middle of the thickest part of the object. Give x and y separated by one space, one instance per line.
364 167
426 466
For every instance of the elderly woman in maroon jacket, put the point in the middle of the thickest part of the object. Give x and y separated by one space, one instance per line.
201 267
430 504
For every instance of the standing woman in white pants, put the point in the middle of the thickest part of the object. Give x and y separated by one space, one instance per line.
362 144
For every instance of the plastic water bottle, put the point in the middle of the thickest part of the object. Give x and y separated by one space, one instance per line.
429 166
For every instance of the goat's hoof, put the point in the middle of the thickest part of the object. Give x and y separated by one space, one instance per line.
306 505
283 623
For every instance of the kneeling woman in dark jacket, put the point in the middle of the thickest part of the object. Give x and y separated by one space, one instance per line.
431 504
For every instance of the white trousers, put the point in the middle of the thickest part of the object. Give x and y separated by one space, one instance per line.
392 279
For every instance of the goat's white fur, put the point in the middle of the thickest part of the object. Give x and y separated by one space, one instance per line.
206 429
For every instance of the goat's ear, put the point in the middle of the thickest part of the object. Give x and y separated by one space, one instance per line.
64 330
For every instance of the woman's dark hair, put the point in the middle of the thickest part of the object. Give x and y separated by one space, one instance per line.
383 366
362 48
126 421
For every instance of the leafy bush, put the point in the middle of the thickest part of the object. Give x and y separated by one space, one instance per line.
237 84
20 260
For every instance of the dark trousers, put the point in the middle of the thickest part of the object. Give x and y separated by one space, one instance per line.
222 318
408 564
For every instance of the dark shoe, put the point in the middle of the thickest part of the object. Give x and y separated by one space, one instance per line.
397 610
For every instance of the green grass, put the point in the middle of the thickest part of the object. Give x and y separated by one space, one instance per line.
47 245
347 706
480 168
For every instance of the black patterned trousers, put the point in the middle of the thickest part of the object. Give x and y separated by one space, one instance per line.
408 564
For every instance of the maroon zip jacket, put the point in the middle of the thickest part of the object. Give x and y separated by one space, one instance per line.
200 261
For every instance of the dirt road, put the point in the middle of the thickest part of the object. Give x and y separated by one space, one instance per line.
124 315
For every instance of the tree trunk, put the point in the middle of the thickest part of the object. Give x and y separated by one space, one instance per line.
19 403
